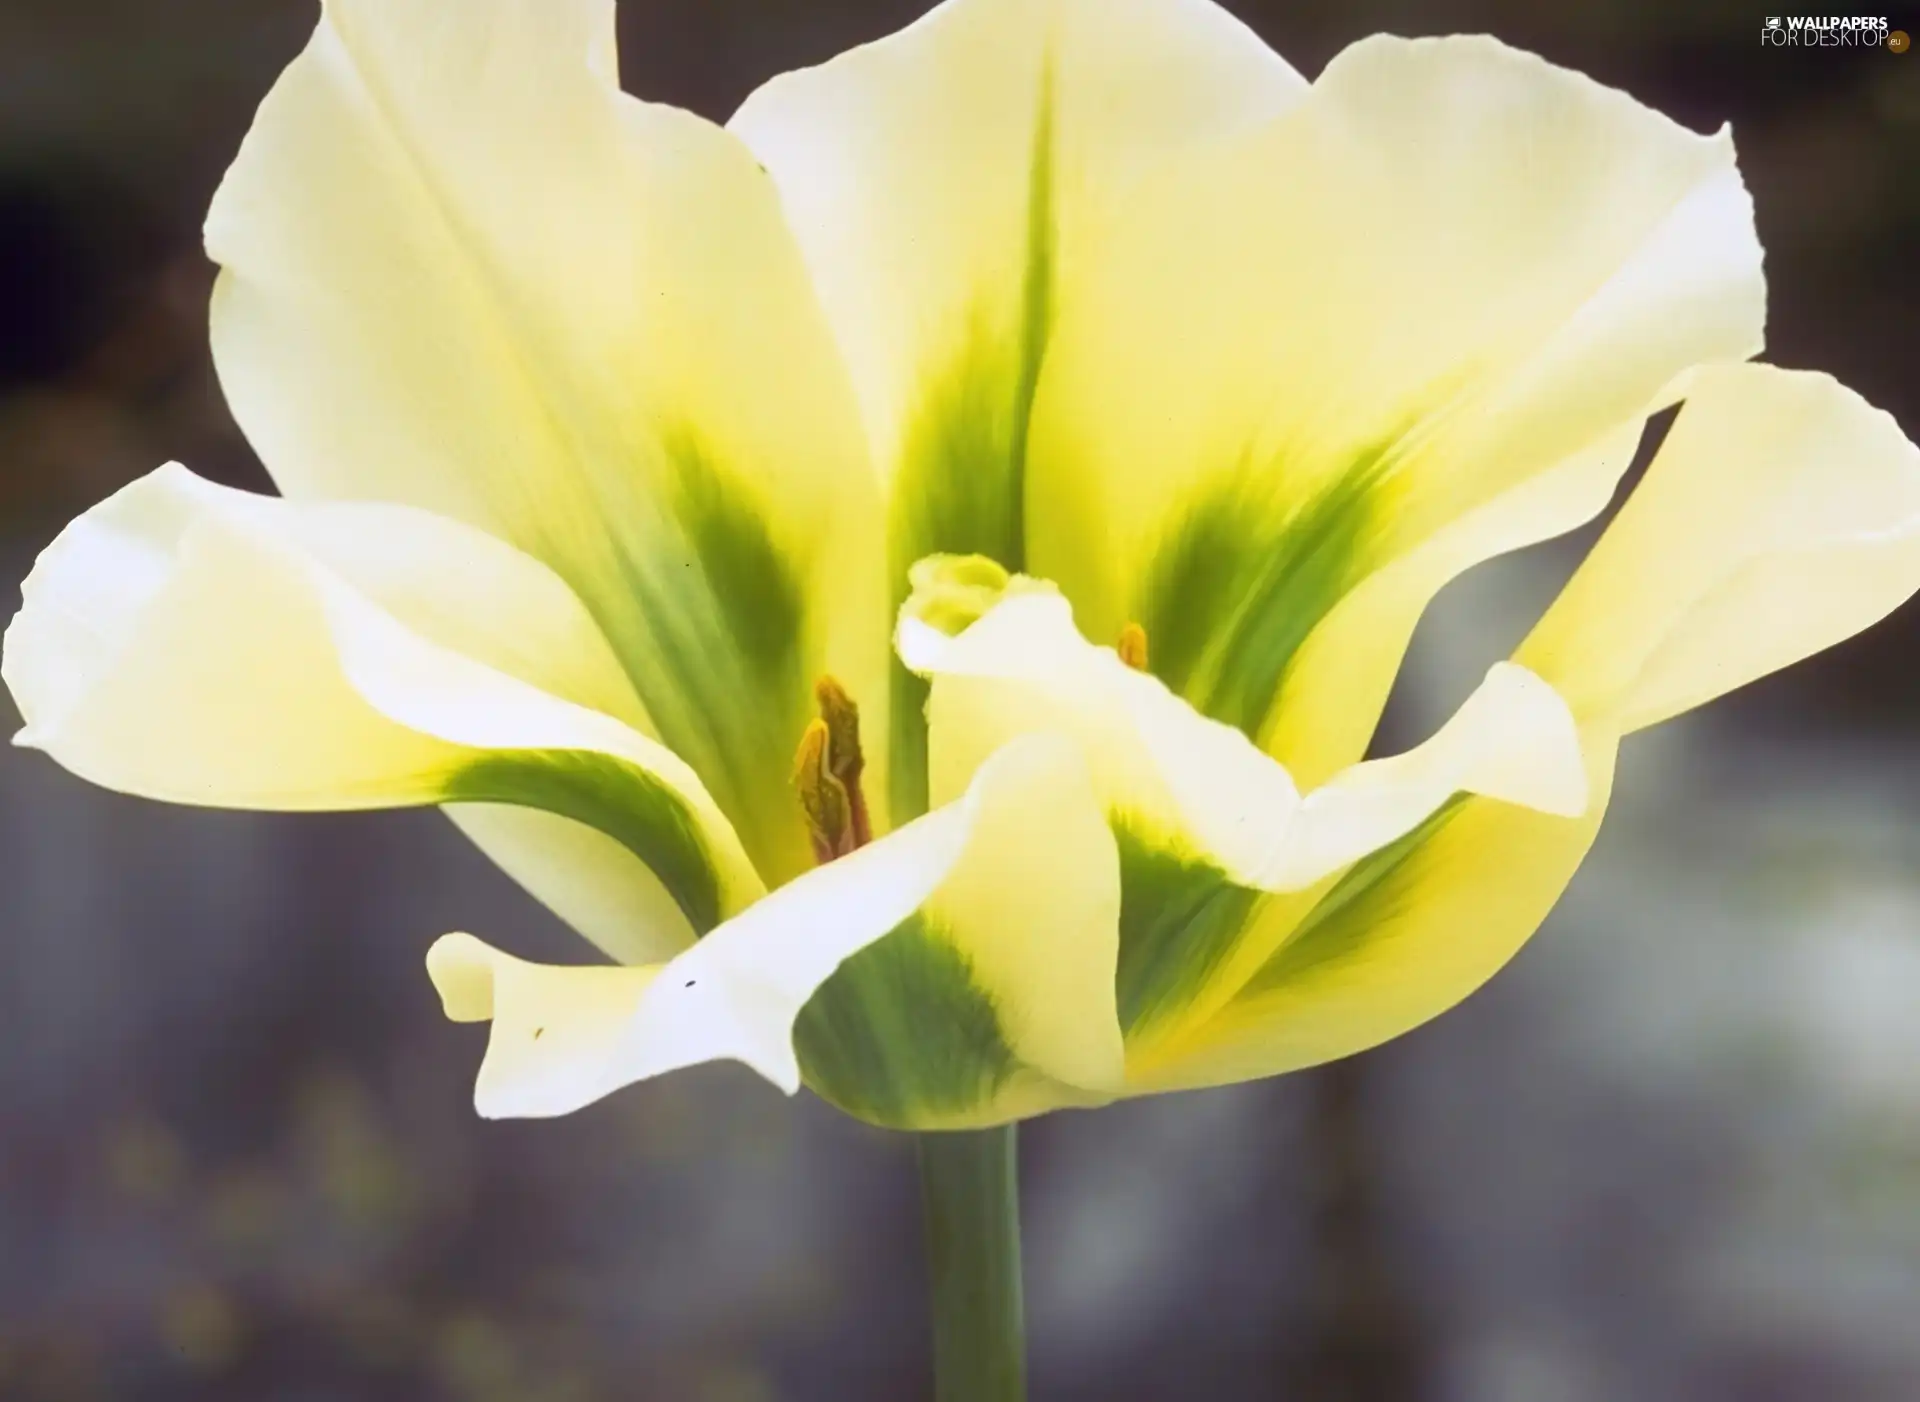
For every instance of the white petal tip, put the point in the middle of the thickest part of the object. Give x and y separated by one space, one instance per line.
461 968
780 1070
495 1109
505 1107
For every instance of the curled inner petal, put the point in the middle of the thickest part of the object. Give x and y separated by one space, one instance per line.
192 643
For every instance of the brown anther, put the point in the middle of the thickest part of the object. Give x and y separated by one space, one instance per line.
844 756
823 797
842 716
1132 647
826 772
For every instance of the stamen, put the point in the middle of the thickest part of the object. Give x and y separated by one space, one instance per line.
823 798
826 773
1132 647
845 757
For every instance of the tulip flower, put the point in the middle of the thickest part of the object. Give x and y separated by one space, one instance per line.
912 575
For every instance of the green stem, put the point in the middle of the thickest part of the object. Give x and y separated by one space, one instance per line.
970 1182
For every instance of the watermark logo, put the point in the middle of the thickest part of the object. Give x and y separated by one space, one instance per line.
1833 32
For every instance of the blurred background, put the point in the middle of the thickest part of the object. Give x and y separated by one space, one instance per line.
1672 1153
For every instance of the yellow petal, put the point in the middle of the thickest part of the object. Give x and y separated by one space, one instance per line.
565 1037
188 642
1401 937
909 167
1513 741
463 271
1781 515
943 182
1308 353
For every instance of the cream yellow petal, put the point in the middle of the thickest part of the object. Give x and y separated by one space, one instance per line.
188 642
1400 938
1451 272
461 270
734 995
564 1037
1514 742
1780 516
943 183
1034 908
926 173
554 1028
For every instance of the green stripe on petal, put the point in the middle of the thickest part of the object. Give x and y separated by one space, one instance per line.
1190 935
960 485
902 1034
1337 922
1231 592
641 812
726 604
923 173
1402 936
997 999
1179 920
